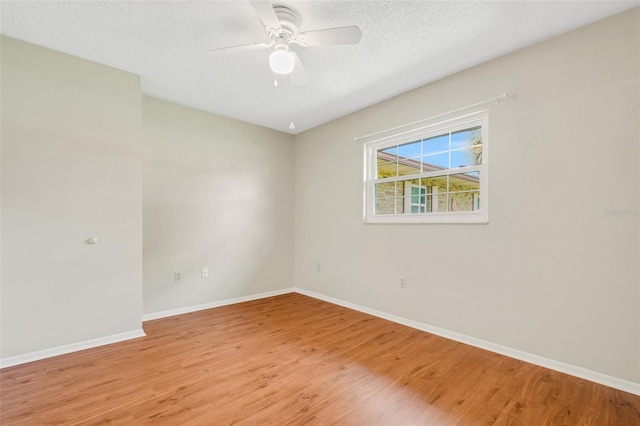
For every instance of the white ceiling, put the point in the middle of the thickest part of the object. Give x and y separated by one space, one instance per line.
405 44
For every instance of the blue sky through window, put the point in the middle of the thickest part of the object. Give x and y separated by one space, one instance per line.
447 151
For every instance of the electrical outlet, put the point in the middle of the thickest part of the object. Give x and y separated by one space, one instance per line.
177 277
403 282
318 267
205 272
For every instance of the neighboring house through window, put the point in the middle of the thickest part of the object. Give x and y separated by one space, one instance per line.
435 174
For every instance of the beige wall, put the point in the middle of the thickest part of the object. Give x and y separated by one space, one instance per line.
218 193
551 274
71 170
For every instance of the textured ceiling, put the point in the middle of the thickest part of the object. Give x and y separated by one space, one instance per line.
405 44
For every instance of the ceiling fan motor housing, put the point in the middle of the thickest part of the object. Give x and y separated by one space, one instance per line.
289 21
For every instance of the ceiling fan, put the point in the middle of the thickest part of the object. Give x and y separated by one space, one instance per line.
281 26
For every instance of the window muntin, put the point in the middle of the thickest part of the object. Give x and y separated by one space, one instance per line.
433 175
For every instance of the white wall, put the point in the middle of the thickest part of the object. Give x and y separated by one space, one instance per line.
218 193
71 169
551 274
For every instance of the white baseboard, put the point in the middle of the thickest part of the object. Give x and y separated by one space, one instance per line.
583 373
216 304
74 347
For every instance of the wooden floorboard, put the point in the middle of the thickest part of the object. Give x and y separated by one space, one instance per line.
294 360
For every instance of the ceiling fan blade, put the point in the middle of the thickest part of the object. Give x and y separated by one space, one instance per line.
298 75
239 48
340 35
266 13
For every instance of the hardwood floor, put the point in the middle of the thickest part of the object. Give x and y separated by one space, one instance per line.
294 360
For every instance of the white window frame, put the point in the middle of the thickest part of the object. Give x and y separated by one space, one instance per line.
480 216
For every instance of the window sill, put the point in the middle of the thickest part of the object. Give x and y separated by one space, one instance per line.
464 218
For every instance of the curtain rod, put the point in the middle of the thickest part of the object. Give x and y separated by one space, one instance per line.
495 99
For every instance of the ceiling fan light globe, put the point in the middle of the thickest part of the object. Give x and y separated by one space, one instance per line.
281 61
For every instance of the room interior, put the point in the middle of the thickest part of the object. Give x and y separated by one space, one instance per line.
167 188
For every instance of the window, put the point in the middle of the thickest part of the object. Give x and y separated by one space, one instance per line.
435 174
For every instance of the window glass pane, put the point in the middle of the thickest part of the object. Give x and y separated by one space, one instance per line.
413 197
400 203
465 138
464 191
436 190
418 194
417 201
386 159
385 198
386 169
440 182
465 157
476 201
443 203
476 153
385 205
391 150
435 145
410 150
431 195
461 201
464 182
408 166
435 162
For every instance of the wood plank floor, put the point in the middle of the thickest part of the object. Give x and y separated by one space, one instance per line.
294 360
